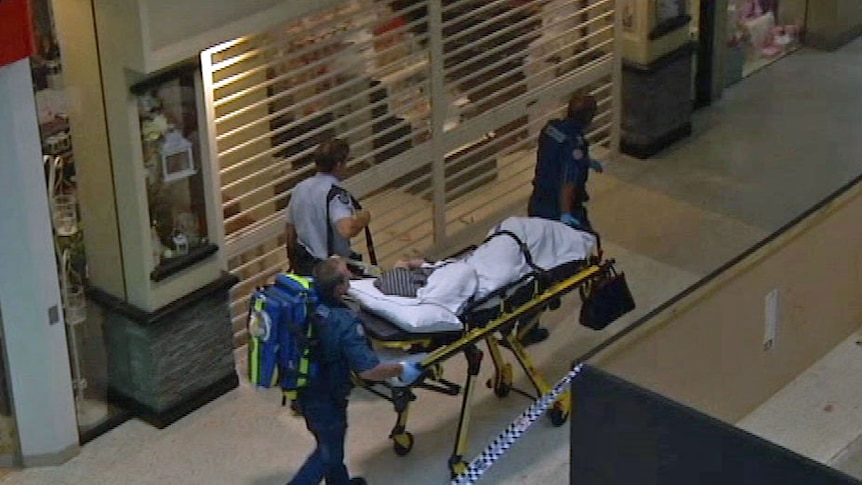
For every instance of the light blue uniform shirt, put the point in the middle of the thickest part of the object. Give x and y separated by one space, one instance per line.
307 212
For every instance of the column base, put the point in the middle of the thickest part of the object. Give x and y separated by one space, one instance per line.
166 417
649 147
162 365
656 103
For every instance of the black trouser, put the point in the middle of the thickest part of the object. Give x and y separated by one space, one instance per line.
305 261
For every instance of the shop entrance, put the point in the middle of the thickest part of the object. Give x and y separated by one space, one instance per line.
441 103
703 33
761 32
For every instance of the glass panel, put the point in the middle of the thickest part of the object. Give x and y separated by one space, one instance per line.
9 447
84 324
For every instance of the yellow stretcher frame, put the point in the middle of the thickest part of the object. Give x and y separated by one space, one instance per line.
501 382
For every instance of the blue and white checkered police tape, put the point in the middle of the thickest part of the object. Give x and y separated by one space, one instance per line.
518 427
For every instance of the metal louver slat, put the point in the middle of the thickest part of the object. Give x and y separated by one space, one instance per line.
440 101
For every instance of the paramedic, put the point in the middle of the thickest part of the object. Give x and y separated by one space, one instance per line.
342 348
321 216
562 166
560 183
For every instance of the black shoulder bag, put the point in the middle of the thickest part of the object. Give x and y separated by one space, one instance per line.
606 299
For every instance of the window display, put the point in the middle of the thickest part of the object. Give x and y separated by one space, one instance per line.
762 31
167 107
669 16
669 9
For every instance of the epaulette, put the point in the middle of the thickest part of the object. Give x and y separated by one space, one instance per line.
555 133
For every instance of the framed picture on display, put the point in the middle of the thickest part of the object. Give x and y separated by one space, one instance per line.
177 157
668 10
670 15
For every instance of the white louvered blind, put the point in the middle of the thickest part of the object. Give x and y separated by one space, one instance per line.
441 103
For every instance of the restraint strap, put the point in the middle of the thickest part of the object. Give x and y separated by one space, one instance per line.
524 249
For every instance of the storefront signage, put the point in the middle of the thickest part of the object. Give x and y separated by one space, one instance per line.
16 31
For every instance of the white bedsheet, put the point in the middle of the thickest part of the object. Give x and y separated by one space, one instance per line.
500 261
493 264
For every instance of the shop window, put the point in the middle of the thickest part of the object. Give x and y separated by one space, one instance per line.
171 147
762 31
669 16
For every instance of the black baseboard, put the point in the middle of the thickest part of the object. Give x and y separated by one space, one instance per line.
648 149
163 419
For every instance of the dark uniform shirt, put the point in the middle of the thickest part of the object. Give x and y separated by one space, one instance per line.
342 347
562 157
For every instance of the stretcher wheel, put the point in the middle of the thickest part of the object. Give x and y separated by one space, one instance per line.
558 416
502 389
502 381
402 443
457 466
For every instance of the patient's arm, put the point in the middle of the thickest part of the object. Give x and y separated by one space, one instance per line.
410 263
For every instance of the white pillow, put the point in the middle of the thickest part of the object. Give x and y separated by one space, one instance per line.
409 314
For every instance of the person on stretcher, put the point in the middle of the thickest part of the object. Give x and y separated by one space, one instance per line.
405 278
497 261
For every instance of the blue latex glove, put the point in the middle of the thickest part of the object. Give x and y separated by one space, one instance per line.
570 220
597 166
410 373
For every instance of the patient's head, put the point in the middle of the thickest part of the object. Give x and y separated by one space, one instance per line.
331 278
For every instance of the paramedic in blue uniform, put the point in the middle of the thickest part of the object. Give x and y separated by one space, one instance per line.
342 349
562 168
308 230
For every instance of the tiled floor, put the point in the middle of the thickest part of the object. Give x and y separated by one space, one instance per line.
817 415
776 144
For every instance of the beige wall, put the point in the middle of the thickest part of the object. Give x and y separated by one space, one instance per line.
159 33
832 23
707 351
83 84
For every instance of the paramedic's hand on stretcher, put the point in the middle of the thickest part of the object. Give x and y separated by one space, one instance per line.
570 220
410 373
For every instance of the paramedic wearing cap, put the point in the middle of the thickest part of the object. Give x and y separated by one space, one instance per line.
562 166
311 235
341 349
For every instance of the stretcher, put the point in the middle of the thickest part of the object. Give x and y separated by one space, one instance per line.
496 316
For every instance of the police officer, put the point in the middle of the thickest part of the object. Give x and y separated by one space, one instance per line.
342 348
321 216
560 183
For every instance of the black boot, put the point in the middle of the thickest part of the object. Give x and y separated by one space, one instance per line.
534 335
